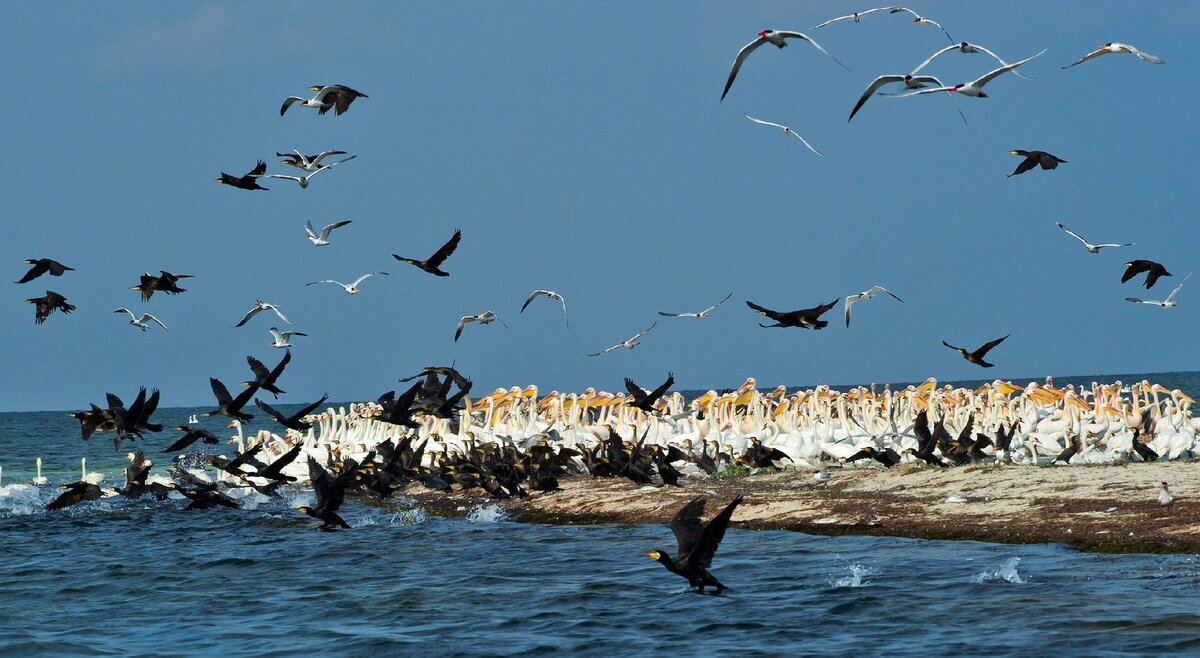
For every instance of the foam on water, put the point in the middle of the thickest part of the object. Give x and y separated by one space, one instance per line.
487 514
414 516
856 578
20 500
1006 573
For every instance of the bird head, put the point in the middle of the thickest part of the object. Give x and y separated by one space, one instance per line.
1164 484
659 556
1106 45
304 510
315 88
765 33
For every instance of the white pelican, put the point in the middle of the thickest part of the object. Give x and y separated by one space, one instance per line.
260 306
786 131
351 288
487 317
1169 302
974 87
702 314
1119 48
322 239
303 180
775 38
142 322
867 294
1091 248
309 163
629 343
921 20
283 339
338 97
967 48
550 294
856 17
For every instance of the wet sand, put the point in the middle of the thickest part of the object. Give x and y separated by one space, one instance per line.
1110 509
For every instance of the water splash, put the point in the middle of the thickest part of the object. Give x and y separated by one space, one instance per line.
487 514
20 500
413 516
857 577
1007 573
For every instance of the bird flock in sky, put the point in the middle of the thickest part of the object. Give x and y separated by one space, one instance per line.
434 398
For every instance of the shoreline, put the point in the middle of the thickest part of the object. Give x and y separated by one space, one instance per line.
1102 509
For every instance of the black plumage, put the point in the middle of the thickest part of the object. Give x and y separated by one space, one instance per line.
293 422
976 357
247 182
1034 159
229 405
48 304
807 318
43 266
433 264
1152 269
647 401
266 379
696 543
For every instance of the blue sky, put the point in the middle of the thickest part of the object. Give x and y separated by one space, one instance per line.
582 148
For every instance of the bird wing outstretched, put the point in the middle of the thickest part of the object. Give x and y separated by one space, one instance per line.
737 62
987 347
444 252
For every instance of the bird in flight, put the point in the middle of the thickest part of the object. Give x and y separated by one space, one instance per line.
322 239
776 38
164 282
282 339
294 421
696 543
142 322
1033 159
1089 247
1152 269
700 315
807 318
309 163
921 20
351 288
786 131
856 17
43 266
647 401
548 294
487 317
337 97
48 304
910 82
967 48
976 357
433 264
247 182
972 88
259 307
265 379
628 343
1166 303
303 180
1117 48
867 294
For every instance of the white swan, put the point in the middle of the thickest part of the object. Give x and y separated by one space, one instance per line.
38 480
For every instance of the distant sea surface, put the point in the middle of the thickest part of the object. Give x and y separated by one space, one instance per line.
119 578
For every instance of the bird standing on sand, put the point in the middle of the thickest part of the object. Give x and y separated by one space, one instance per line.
696 544
43 266
1152 269
976 357
1165 499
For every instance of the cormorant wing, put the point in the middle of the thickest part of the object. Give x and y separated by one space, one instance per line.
712 535
444 252
982 351
219 390
687 528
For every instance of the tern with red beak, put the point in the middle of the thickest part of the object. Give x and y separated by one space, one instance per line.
974 87
776 38
1117 48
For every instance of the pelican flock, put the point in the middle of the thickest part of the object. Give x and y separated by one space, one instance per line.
435 436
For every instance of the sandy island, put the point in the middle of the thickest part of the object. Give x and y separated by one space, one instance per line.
1111 509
